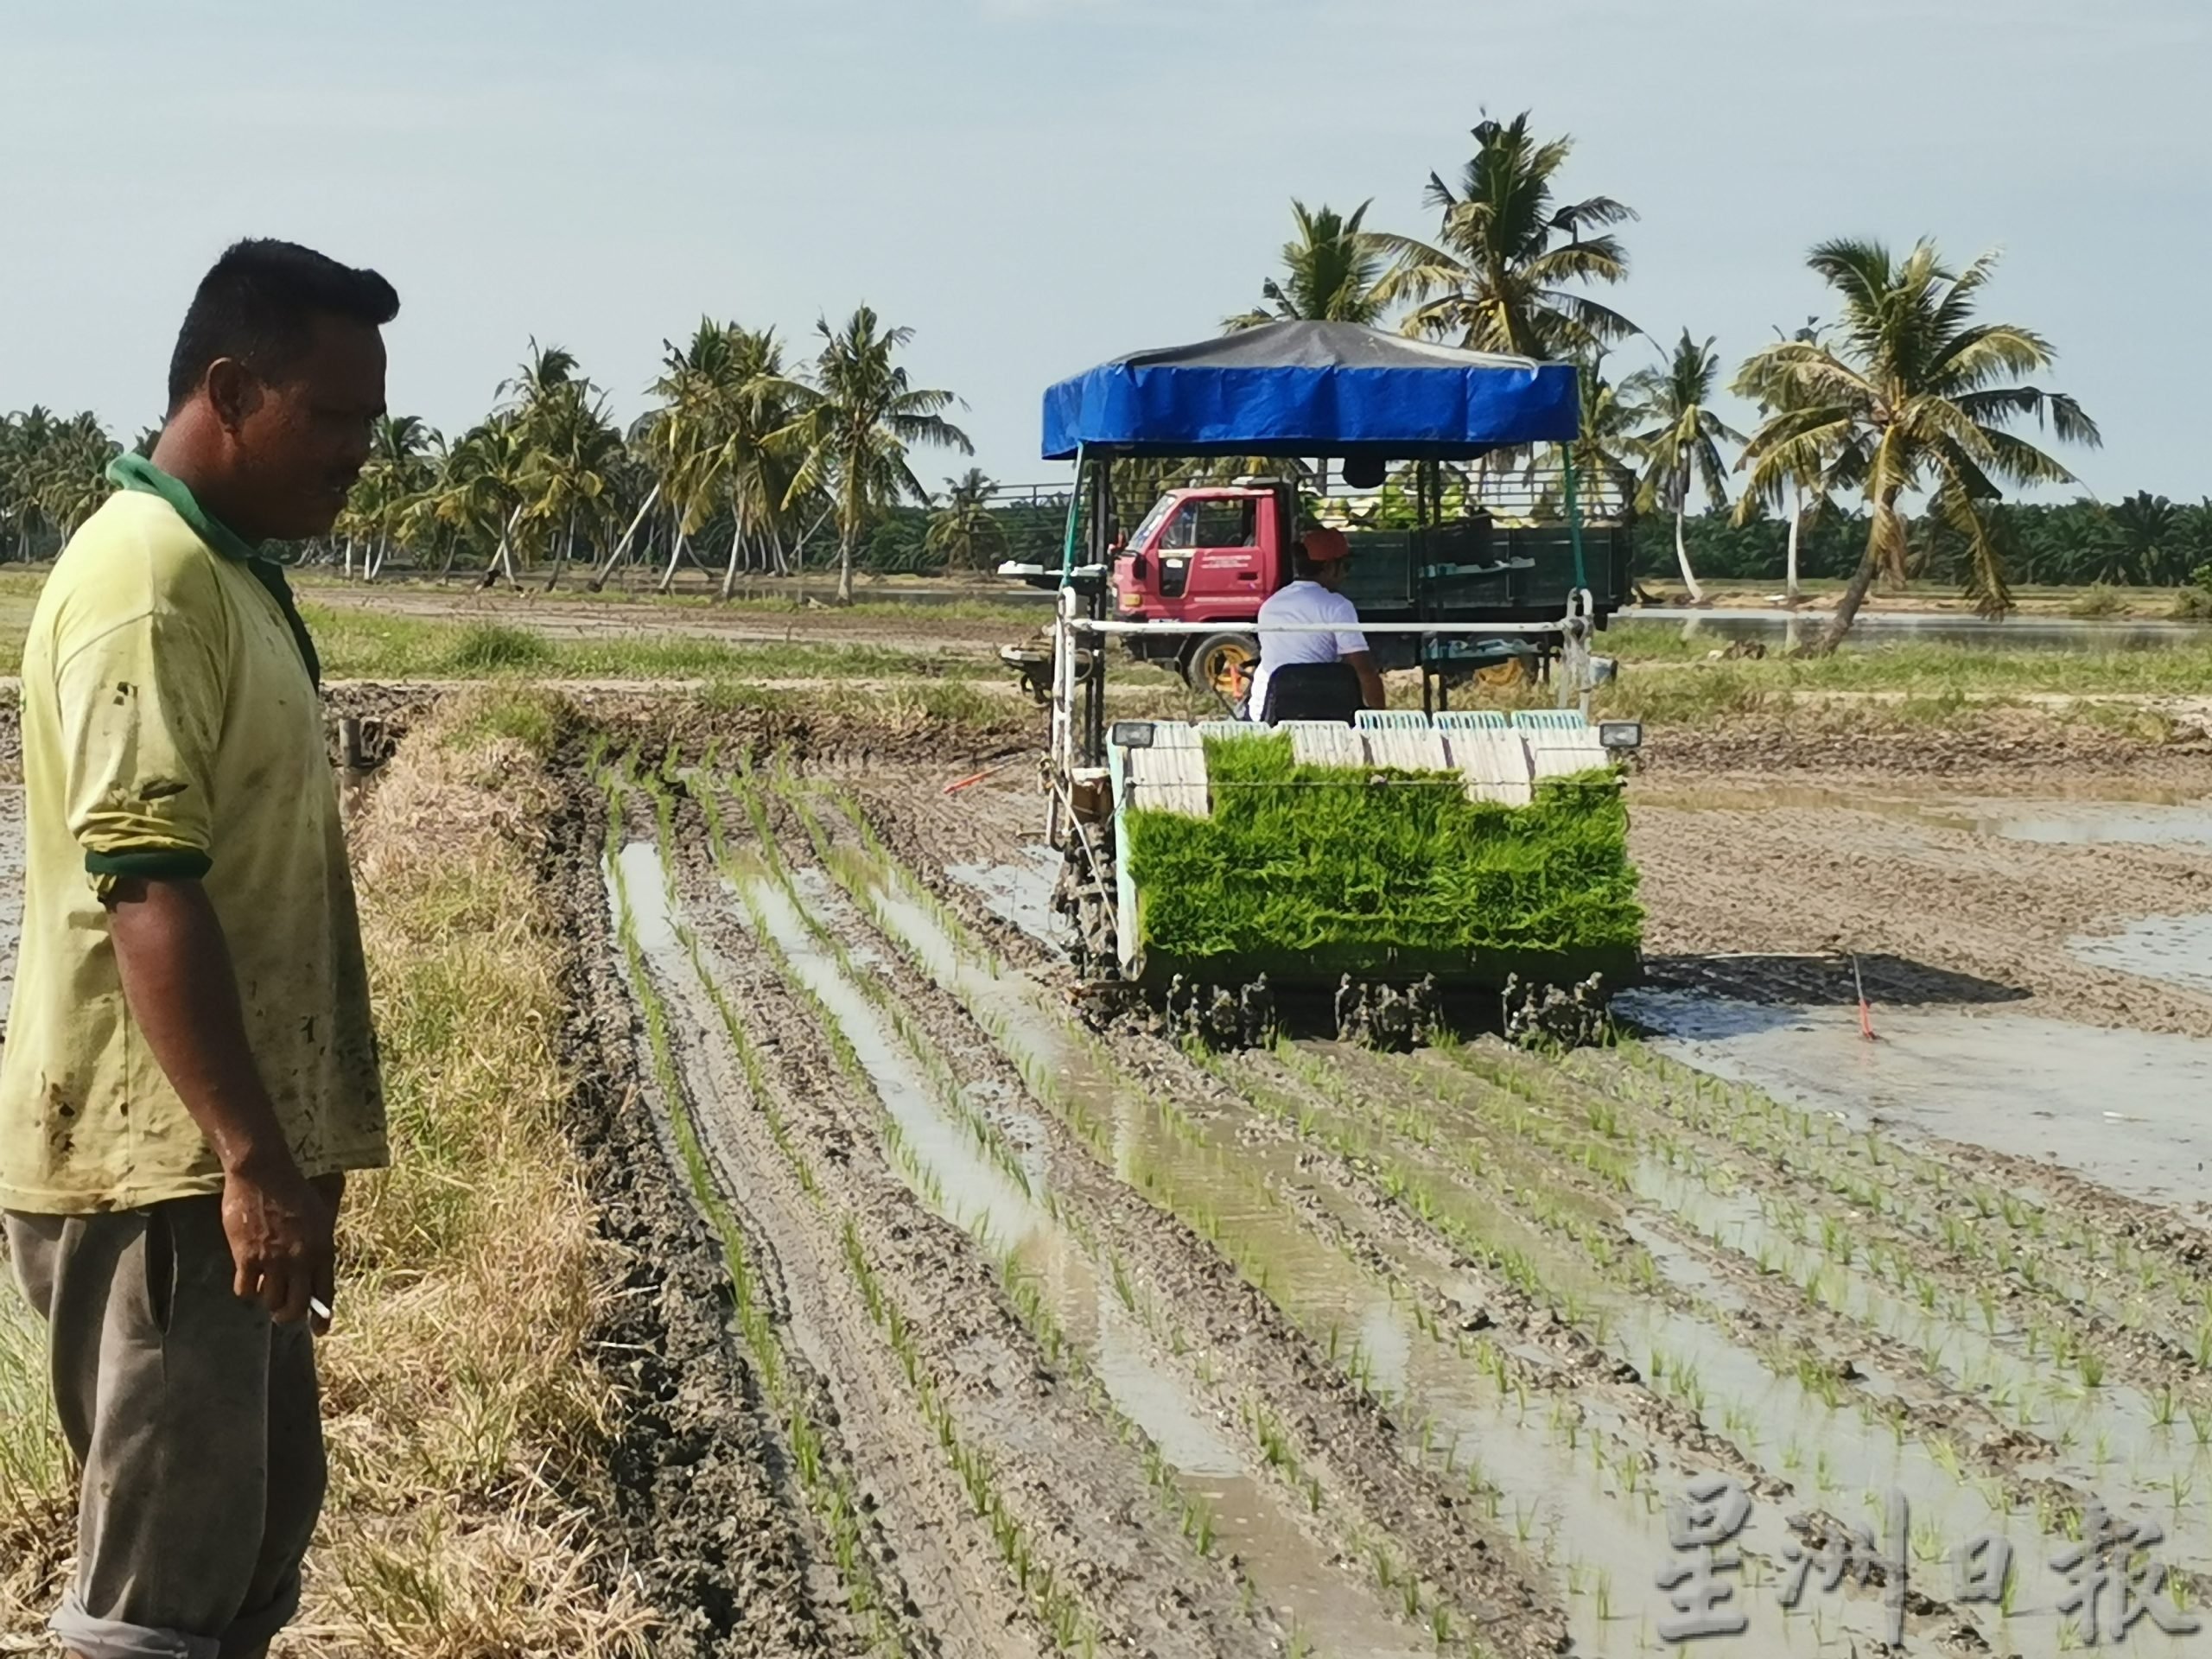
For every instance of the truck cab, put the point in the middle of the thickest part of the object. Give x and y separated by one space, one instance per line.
1211 554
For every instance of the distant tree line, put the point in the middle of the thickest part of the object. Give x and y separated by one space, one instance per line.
2143 541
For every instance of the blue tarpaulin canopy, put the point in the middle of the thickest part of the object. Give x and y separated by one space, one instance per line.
1322 389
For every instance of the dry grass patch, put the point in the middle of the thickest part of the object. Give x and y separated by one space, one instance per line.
464 1420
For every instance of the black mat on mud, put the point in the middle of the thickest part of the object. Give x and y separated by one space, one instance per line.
1826 982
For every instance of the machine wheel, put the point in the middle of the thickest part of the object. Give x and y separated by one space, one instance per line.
1512 671
1222 664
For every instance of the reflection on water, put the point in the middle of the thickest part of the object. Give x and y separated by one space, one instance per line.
2145 817
2123 1108
1790 628
2176 949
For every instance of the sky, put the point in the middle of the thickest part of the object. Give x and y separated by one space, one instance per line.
1034 185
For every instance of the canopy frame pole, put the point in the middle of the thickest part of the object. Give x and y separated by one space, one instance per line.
1065 643
1581 606
1101 536
1075 517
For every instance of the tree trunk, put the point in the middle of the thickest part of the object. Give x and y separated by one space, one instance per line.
1682 551
736 543
502 556
453 552
600 576
845 568
1796 520
1846 608
1862 579
568 552
675 556
349 558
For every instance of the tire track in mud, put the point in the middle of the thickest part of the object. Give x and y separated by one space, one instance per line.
1073 1497
700 1508
1329 1602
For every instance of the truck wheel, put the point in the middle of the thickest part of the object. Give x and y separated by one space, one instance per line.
1222 664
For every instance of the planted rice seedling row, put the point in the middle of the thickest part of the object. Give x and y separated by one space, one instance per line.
829 1490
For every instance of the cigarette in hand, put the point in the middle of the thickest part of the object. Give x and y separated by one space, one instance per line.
320 1308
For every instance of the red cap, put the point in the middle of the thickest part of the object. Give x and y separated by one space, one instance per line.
1325 546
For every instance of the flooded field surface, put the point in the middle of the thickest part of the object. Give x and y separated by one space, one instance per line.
2124 1107
1874 629
1133 1347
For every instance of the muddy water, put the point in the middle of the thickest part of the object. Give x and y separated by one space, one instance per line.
2108 1441
2176 949
1252 1522
1020 892
2136 815
1838 1456
2123 1107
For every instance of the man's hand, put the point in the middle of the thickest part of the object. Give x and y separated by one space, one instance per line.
280 1231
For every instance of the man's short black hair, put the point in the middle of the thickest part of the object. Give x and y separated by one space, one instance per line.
258 304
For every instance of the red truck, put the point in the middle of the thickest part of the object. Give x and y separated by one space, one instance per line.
1215 553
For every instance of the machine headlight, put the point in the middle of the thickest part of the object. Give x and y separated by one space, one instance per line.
1130 734
1621 735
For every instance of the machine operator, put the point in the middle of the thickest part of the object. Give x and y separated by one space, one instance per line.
1316 675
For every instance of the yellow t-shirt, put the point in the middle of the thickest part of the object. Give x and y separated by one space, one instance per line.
170 728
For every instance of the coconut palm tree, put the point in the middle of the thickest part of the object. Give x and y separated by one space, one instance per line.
756 456
1914 395
479 496
1330 272
399 472
1810 489
855 435
963 530
53 474
681 436
533 404
573 451
1681 447
1509 261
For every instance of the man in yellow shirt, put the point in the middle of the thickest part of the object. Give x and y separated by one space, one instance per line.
189 1069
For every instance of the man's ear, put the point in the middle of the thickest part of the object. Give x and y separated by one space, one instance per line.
233 391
